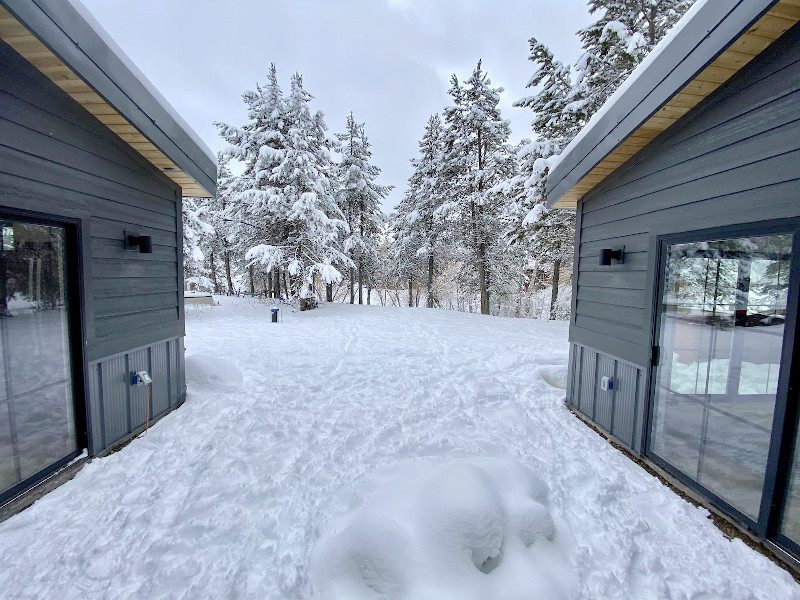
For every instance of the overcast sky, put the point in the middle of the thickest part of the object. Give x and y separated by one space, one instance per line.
388 61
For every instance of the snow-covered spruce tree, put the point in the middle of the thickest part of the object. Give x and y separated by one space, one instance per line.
313 222
425 226
359 198
613 46
219 260
253 208
476 158
196 232
404 266
283 204
618 41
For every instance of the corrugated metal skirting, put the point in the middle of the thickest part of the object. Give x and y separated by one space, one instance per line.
618 411
117 408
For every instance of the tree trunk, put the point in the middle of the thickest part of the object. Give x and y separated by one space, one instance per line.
252 283
554 291
352 285
285 285
227 257
214 280
483 279
410 291
328 292
276 283
430 302
360 283
369 294
265 284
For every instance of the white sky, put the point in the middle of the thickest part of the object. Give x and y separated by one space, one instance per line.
388 61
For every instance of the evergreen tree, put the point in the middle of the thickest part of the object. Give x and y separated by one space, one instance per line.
360 201
613 46
423 226
195 233
283 205
476 158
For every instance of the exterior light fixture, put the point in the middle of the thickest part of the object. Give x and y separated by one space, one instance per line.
609 256
143 242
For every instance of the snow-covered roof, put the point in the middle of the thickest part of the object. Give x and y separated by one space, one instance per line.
712 42
64 41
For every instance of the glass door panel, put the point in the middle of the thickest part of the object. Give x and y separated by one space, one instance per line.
722 314
37 418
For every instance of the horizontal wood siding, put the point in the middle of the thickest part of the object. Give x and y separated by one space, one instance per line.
56 158
734 159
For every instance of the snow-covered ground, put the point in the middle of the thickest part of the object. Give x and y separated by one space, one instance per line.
363 453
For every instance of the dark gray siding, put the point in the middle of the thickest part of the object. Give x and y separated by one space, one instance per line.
734 159
55 158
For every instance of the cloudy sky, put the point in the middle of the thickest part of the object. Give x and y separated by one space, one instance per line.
388 61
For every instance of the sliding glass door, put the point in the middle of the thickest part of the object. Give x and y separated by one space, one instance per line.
722 316
37 405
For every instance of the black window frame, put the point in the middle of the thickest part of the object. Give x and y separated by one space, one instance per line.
74 235
785 417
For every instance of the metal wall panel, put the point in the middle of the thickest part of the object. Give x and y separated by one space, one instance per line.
181 370
604 400
626 390
115 383
159 365
617 411
96 419
138 360
117 408
587 380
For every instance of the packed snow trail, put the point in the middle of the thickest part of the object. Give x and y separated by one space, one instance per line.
234 494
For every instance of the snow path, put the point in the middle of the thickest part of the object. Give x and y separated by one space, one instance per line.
226 497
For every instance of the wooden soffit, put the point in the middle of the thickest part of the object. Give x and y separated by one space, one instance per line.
16 35
773 24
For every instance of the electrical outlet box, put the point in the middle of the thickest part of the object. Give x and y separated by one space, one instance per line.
140 378
606 384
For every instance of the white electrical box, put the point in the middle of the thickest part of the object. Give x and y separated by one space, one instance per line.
606 384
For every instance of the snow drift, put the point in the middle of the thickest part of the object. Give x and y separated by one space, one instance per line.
470 529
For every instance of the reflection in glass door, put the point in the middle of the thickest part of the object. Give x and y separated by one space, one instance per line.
722 314
37 415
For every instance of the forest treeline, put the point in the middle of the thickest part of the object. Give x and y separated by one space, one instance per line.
472 232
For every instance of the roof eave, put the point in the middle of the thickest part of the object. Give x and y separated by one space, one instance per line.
64 31
714 27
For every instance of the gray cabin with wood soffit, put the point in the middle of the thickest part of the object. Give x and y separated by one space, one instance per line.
93 166
687 263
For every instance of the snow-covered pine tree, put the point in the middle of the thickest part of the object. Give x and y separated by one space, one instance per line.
301 185
196 232
613 46
425 226
360 201
404 265
253 208
217 247
476 158
282 206
625 32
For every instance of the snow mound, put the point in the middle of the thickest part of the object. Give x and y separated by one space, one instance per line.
211 372
471 529
555 376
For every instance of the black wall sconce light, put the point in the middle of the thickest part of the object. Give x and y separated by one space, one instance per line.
143 242
612 256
